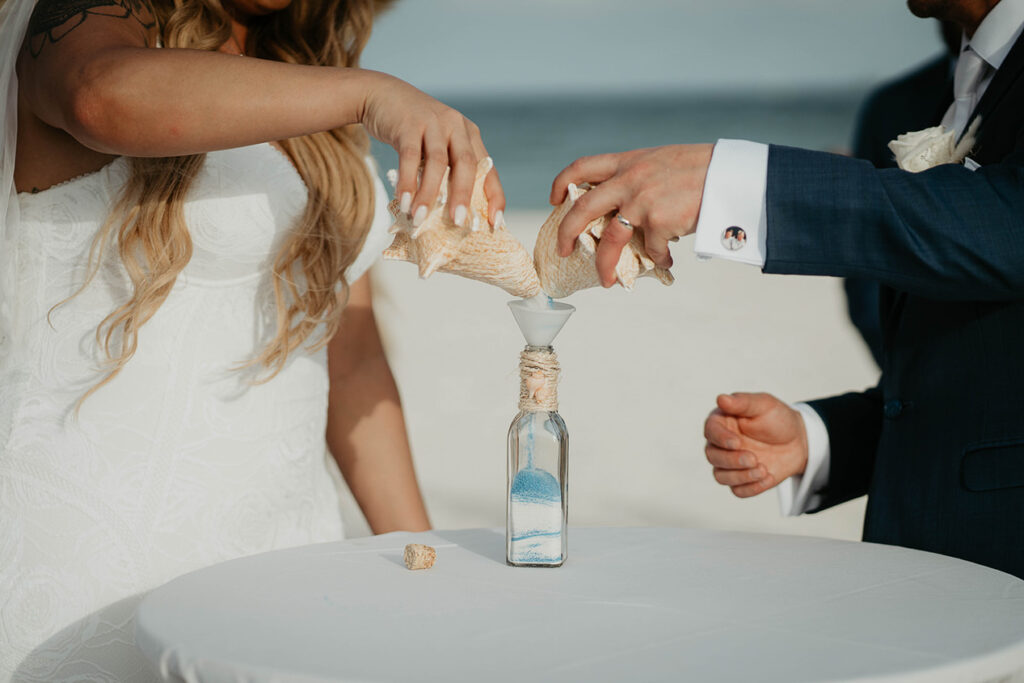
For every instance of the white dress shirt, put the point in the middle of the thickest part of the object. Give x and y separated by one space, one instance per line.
734 197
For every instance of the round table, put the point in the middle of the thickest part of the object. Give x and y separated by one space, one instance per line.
630 604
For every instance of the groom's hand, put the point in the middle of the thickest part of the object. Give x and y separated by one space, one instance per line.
658 190
754 441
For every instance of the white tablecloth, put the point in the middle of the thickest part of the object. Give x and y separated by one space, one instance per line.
629 605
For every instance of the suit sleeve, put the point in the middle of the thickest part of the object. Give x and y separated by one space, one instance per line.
946 233
854 423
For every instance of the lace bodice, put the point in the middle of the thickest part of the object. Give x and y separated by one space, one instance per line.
179 462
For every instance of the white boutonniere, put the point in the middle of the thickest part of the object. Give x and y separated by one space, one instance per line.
923 149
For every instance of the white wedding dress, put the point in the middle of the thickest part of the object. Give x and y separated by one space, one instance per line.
179 462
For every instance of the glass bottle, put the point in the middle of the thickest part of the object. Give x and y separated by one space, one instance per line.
538 467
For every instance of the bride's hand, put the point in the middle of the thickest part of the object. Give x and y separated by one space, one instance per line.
424 130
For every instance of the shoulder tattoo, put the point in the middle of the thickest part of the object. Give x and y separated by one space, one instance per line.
52 20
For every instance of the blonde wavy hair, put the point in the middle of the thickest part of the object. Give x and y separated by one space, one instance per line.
148 221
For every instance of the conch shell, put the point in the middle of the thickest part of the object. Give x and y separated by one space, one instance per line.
560 277
493 256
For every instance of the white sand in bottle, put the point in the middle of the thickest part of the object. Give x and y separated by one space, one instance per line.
535 510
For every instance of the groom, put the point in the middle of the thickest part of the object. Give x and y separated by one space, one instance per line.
938 445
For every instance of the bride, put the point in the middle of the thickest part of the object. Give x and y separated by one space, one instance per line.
184 312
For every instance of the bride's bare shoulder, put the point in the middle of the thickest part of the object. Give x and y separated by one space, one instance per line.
64 38
87 21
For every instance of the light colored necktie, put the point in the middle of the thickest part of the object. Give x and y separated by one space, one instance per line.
970 71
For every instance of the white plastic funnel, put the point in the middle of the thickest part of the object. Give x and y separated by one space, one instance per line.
540 321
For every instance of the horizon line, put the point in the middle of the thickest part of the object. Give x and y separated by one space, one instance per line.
822 91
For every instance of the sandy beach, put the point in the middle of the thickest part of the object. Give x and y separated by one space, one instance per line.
640 372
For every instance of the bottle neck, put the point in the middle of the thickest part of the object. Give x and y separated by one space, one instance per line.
538 379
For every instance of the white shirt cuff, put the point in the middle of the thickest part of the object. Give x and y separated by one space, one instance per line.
801 493
733 222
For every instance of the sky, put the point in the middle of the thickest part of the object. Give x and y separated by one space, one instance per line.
489 47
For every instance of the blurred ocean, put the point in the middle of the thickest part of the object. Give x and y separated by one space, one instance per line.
531 140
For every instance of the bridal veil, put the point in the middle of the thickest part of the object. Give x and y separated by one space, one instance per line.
14 16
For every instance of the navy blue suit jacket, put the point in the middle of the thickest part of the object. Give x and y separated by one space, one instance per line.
913 101
938 446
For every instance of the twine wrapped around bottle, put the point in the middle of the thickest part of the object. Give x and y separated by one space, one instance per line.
538 379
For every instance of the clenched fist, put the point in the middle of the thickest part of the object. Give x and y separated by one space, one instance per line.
754 442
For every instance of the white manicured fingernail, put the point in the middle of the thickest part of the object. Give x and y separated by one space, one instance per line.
421 215
405 205
475 227
461 212
499 219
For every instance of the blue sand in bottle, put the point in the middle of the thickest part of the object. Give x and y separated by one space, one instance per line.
535 486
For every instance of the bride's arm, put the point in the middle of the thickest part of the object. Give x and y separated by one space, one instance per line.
86 68
365 426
